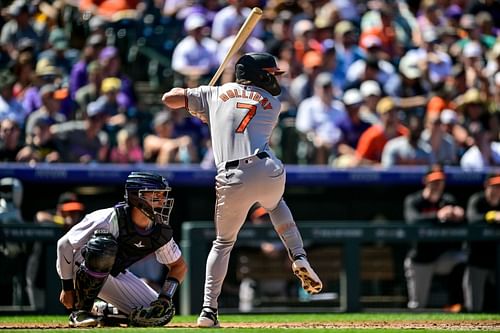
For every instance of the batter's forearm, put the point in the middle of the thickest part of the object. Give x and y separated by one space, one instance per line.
175 98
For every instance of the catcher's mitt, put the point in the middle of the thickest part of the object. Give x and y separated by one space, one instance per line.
158 313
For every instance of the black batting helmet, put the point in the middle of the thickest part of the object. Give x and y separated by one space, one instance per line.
137 184
259 69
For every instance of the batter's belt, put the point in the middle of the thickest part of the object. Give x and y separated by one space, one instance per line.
235 163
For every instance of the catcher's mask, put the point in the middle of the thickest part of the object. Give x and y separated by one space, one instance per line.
149 193
259 69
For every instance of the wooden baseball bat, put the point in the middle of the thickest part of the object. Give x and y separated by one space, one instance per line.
241 37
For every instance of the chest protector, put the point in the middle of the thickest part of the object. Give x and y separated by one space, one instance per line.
133 246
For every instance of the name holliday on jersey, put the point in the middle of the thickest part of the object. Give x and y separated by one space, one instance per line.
252 95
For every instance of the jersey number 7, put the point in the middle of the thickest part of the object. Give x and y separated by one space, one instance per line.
252 109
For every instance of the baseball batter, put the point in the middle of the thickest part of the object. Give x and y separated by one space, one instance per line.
93 257
242 116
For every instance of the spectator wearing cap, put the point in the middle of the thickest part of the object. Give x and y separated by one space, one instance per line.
432 205
330 65
302 86
487 28
472 107
352 127
79 73
347 49
474 62
410 85
434 63
50 109
59 53
19 26
164 147
111 65
372 141
442 144
394 16
450 124
115 103
40 146
195 54
318 119
483 207
371 93
10 140
10 108
84 141
385 31
471 31
229 16
45 73
370 68
408 149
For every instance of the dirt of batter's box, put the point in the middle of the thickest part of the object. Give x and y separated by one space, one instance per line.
455 325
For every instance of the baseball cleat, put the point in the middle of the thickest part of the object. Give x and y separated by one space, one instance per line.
83 318
208 318
310 280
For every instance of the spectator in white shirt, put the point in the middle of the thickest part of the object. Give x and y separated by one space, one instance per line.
318 118
195 55
230 16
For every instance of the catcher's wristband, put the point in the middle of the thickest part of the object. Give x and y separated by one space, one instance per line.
169 287
68 285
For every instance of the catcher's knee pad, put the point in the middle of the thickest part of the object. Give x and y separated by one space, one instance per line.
100 252
99 256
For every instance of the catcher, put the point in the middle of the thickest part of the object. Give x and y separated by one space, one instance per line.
93 257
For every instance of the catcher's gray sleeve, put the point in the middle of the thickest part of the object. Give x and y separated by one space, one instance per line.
64 264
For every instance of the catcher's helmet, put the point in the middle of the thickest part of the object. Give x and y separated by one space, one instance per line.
156 207
259 69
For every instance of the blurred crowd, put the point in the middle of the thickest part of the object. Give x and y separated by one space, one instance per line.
379 82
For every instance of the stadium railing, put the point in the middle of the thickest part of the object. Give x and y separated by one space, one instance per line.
198 235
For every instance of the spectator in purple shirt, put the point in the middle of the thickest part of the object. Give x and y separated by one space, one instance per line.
109 58
79 76
351 127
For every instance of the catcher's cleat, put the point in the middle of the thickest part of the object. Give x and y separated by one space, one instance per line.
310 280
208 318
83 318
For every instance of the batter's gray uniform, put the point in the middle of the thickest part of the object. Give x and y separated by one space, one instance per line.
241 120
126 291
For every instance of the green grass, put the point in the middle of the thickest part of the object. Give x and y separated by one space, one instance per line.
354 319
